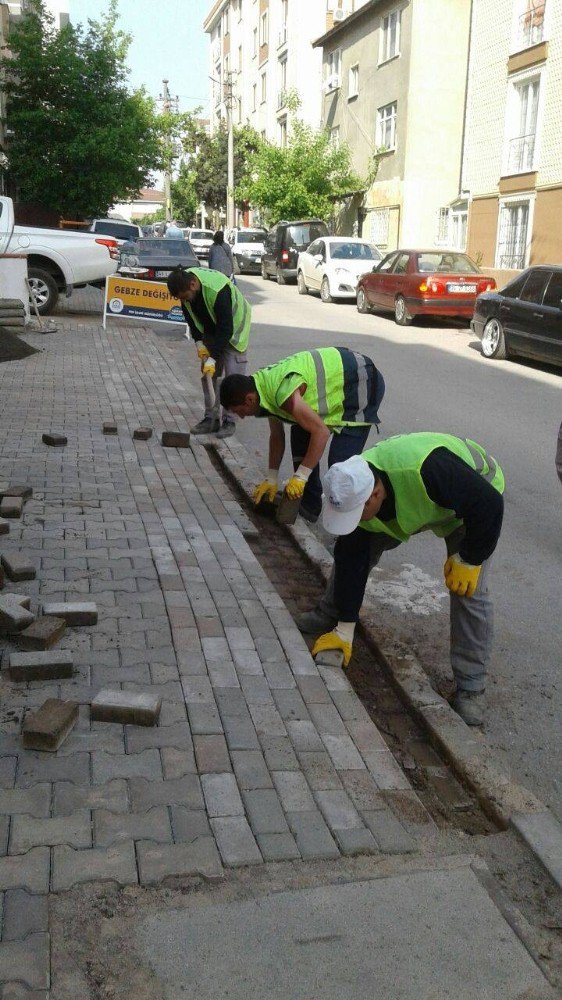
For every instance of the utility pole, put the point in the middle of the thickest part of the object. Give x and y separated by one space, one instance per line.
168 104
229 102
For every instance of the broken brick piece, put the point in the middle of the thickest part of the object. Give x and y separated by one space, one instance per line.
142 433
11 506
126 707
13 615
43 633
18 567
22 490
54 440
109 427
73 613
46 728
175 439
4 526
39 666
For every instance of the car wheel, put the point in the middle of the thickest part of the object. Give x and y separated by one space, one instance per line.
325 291
264 273
401 314
44 288
493 340
280 277
301 284
236 266
362 304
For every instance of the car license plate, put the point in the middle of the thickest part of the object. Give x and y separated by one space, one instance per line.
162 274
257 260
462 289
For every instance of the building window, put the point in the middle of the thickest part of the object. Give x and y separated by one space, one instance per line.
240 10
255 43
284 17
379 219
263 88
521 132
386 126
226 20
458 226
514 231
333 70
335 137
353 82
254 96
239 58
390 36
264 28
442 226
529 23
283 131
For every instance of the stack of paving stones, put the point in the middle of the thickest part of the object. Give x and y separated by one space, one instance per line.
259 755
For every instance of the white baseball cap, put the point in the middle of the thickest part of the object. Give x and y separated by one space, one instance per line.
347 487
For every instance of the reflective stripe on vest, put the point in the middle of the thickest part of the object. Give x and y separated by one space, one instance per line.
362 386
320 383
480 463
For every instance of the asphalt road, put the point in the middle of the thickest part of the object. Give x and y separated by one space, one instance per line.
436 379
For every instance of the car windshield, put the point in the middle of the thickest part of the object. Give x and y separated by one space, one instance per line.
457 263
201 234
250 237
164 248
354 251
119 229
303 235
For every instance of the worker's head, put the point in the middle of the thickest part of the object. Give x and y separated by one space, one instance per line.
183 285
239 395
218 237
352 493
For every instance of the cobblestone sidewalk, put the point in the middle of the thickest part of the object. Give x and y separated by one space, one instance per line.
258 756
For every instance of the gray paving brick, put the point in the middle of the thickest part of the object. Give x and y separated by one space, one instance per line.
267 720
232 703
24 913
204 720
7 771
338 810
211 754
247 663
388 832
304 735
35 767
343 752
222 674
26 871
176 763
34 801
189 824
197 691
184 791
386 771
110 828
327 719
319 770
70 798
264 811
278 846
362 789
106 766
222 797
4 830
365 735
251 769
138 708
313 690
291 706
293 791
235 841
177 735
358 840
279 675
198 857
28 831
74 613
312 836
349 706
279 754
240 733
256 690
113 864
40 665
27 960
334 678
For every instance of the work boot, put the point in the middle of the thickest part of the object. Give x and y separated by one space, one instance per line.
308 514
227 430
206 426
469 705
315 622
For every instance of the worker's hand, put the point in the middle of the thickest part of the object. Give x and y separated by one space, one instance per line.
461 577
266 490
202 352
294 487
331 640
208 366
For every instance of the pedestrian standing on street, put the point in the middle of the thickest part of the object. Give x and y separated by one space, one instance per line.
219 318
327 392
173 232
220 255
404 485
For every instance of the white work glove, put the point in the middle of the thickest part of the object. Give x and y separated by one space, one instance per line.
208 367
294 487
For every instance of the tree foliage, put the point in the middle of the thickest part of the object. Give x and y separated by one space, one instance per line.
184 196
209 161
81 139
302 179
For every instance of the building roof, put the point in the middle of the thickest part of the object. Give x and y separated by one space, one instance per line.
214 12
151 194
341 26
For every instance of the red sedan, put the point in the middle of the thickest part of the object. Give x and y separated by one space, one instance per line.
422 283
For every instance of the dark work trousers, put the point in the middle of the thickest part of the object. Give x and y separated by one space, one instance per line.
350 441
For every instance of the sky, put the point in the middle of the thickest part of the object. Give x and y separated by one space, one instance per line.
168 43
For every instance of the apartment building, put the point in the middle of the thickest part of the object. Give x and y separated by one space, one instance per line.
512 171
394 82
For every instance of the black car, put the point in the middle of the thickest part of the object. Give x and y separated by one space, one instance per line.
153 259
523 318
283 244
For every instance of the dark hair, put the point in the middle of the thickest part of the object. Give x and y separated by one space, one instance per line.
218 237
179 280
235 388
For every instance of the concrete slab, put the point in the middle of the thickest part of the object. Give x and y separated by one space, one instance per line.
427 935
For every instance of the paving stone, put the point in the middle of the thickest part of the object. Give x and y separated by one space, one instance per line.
142 433
240 733
176 735
365 735
211 754
23 490
108 427
13 616
349 706
139 709
11 506
40 666
319 771
106 766
176 763
175 439
24 913
7 771
42 633
28 832
74 613
389 834
313 690
327 719
358 840
338 810
222 797
344 753
251 769
54 440
4 526
184 791
264 811
278 847
386 771
112 827
70 798
34 767
293 790
279 754
33 801
291 706
312 836
362 790
49 726
304 735
189 824
27 960
18 566
235 841
198 857
26 871
112 864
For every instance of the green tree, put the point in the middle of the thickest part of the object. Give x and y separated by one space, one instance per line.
184 197
304 178
208 161
81 139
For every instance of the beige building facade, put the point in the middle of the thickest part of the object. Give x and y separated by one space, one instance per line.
394 81
512 170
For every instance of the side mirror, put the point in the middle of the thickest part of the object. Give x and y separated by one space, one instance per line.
319 257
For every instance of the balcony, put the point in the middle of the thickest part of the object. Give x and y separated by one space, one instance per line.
520 154
530 27
282 37
281 99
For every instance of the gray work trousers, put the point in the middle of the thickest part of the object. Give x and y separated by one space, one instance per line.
229 362
471 618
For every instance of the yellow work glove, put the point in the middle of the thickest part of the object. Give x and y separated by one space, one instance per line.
331 640
294 487
461 577
267 489
208 366
202 352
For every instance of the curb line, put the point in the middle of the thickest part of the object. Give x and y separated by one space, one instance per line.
506 802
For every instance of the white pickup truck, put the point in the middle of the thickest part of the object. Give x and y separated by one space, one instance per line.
58 260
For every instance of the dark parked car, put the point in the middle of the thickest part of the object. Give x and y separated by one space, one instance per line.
283 244
155 258
121 230
525 317
422 283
